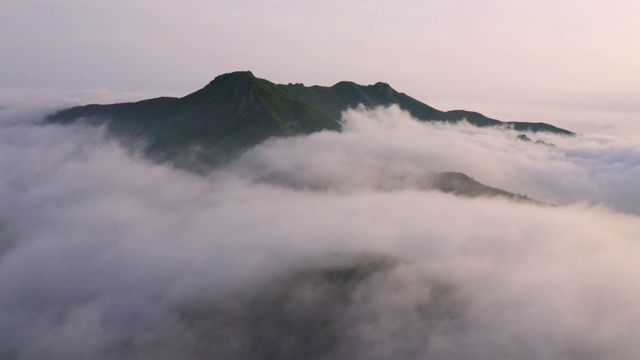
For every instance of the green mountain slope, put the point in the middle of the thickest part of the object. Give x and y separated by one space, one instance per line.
238 110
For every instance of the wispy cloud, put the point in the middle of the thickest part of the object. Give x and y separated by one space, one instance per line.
107 255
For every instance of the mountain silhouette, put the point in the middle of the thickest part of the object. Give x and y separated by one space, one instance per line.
238 110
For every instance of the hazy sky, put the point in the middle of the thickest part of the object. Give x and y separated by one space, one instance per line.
491 55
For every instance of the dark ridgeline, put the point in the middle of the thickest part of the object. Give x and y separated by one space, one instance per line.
238 110
463 185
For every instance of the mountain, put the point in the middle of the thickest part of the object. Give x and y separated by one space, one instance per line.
464 185
238 110
301 313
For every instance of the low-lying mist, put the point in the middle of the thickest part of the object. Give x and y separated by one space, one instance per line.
386 148
318 247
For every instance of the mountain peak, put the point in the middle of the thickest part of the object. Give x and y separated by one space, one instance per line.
384 88
236 76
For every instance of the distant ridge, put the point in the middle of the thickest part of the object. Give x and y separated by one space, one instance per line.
238 110
461 184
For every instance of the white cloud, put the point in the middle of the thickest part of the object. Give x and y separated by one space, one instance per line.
386 148
106 252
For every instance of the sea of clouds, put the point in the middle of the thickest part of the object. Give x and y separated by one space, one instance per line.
107 255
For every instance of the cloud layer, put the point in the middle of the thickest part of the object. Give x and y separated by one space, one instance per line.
387 147
104 254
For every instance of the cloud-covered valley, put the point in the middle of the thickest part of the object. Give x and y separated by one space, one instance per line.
322 246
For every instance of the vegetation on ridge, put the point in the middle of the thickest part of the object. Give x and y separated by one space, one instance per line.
238 110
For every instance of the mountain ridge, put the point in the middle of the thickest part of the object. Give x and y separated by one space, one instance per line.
237 110
460 184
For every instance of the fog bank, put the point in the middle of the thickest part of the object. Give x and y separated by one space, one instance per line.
105 255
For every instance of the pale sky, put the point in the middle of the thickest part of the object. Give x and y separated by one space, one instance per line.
496 55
